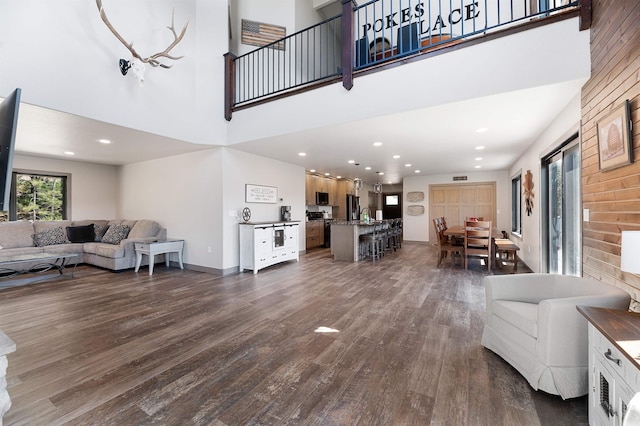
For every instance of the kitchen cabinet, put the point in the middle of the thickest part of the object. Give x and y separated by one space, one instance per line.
314 234
264 244
315 183
614 372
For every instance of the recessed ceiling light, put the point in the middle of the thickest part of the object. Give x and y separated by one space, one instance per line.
368 168
104 141
69 153
327 174
338 177
380 173
417 171
478 158
408 165
479 148
312 170
478 166
377 144
352 161
302 154
396 156
390 183
481 130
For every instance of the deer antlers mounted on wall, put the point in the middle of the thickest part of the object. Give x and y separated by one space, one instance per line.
153 60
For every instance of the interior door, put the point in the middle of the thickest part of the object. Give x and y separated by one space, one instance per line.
458 201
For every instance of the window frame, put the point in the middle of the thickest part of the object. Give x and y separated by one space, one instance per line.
66 185
516 204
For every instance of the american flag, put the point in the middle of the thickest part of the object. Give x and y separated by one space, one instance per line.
260 34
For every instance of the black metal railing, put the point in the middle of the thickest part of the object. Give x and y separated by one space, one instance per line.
366 35
305 57
388 29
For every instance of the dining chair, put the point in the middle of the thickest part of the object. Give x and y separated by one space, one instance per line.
477 241
446 248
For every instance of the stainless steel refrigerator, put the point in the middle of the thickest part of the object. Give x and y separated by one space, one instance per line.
353 207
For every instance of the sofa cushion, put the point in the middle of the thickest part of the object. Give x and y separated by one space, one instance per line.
81 234
115 234
521 315
104 250
50 237
144 228
16 234
45 225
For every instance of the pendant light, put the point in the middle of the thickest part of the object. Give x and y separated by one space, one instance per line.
357 182
377 188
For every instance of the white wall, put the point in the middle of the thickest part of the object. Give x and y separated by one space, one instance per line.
94 192
416 228
63 57
193 195
184 194
241 168
566 124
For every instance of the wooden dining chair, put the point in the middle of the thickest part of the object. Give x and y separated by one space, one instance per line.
446 247
477 241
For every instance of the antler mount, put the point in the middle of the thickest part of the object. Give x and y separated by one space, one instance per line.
153 60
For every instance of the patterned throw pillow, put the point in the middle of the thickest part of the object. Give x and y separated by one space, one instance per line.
115 234
50 237
100 231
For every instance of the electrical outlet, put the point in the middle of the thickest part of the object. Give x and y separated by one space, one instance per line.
209 249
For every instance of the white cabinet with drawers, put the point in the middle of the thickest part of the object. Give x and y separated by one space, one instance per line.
264 244
614 373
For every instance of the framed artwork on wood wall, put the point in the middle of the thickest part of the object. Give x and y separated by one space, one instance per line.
615 145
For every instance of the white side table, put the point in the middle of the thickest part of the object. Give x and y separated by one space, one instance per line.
158 247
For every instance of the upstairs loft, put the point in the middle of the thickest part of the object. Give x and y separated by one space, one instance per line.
376 36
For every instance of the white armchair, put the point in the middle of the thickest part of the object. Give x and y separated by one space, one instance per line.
532 323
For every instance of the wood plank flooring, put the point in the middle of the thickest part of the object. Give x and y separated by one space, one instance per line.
401 346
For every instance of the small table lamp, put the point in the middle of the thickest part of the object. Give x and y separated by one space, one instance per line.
630 254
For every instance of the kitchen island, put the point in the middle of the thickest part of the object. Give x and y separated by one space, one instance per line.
345 238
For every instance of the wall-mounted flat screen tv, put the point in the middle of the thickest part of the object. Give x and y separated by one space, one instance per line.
8 126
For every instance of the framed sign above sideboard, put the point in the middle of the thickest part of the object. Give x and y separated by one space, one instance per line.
260 194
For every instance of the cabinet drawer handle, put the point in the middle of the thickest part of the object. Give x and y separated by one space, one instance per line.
607 355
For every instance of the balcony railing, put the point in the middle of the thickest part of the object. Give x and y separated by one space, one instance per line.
367 35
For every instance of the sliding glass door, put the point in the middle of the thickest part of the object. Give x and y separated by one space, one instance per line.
562 236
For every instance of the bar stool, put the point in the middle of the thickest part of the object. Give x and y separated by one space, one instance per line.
371 244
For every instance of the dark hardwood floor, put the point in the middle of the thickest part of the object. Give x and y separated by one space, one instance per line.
315 342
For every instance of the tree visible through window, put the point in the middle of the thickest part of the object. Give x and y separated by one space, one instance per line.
38 197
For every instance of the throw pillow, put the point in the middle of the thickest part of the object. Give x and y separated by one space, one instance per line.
50 237
115 234
81 234
100 231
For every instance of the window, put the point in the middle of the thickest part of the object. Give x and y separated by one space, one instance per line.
516 205
391 200
561 210
36 196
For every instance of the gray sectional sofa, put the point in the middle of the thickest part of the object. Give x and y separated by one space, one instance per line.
106 250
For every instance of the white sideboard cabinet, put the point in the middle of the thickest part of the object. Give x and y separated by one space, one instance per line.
264 244
614 369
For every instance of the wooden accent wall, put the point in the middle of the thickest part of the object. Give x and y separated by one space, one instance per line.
613 197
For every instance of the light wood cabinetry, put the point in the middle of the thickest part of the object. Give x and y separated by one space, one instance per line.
264 244
614 373
315 234
315 183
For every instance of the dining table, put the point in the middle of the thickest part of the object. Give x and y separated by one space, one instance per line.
501 246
